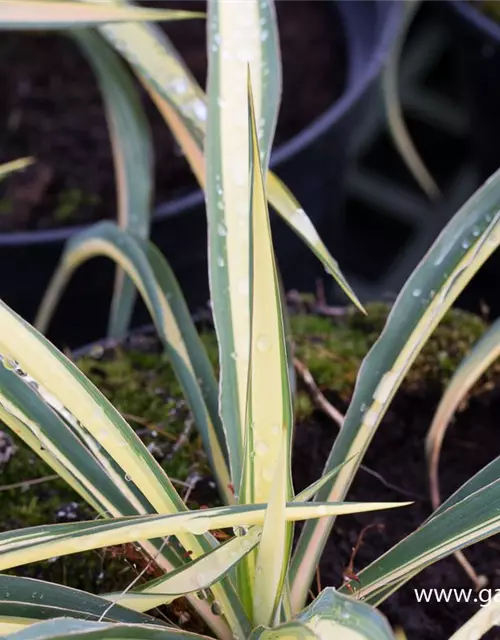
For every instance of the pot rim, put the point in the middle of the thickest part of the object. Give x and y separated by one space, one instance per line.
477 18
359 77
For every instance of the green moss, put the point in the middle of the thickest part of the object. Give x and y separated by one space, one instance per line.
333 348
142 386
70 200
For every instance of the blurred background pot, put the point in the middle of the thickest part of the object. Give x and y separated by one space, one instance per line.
477 42
312 163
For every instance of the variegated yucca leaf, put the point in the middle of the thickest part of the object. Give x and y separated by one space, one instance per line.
25 601
482 621
481 357
268 418
133 158
181 102
392 100
468 516
151 274
198 575
20 343
295 630
37 357
275 546
15 165
52 439
77 458
234 44
333 615
465 243
483 354
213 565
72 14
33 544
65 628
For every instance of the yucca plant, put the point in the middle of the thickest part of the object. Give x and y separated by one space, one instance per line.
254 585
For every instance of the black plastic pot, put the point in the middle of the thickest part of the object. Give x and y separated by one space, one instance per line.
312 164
477 42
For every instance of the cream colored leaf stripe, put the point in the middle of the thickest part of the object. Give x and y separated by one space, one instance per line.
182 103
149 271
60 14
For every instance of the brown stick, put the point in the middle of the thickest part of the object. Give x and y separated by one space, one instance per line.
318 398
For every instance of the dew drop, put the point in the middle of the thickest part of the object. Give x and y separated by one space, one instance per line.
234 355
417 293
261 448
179 85
263 343
268 474
127 478
465 244
240 531
476 232
220 261
198 527
243 287
222 229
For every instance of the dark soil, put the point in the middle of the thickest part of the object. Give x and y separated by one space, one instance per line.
397 454
51 109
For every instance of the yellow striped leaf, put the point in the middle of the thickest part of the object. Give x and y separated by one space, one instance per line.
33 544
235 43
462 247
182 104
62 379
133 158
72 453
25 601
469 516
66 14
14 165
160 591
483 354
65 628
334 615
395 118
157 285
